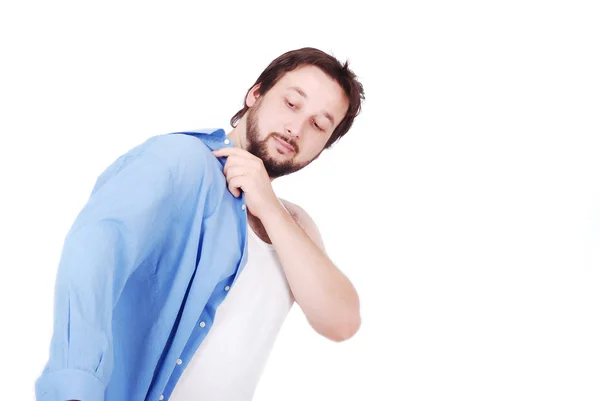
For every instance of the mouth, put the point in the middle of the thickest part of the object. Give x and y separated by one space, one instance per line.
286 147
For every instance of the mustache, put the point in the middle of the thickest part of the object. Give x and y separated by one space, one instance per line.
289 141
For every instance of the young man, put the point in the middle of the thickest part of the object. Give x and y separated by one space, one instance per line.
186 223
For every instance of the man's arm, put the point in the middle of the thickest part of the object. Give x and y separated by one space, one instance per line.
124 219
323 292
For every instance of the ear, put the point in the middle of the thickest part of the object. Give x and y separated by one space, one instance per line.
252 95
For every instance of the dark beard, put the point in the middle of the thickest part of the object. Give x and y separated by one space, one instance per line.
260 149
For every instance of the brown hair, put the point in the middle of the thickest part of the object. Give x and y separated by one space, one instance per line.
329 65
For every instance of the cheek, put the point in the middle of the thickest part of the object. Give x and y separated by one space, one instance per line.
270 120
310 147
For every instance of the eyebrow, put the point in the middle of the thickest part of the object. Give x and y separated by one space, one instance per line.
303 94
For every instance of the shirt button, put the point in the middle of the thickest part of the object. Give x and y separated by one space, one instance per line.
202 324
162 397
243 207
226 141
179 362
227 288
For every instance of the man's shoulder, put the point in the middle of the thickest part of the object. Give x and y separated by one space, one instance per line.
295 211
179 147
305 221
182 154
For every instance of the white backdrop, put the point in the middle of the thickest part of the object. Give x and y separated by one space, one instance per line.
464 204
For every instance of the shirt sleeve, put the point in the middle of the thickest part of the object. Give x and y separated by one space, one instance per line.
126 216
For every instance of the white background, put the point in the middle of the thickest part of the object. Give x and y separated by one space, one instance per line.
464 205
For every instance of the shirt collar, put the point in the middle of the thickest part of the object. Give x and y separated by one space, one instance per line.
214 138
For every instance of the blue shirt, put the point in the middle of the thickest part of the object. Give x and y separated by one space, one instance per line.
143 269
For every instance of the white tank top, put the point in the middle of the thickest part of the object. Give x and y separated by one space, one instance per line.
229 362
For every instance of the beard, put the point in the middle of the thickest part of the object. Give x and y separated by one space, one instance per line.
260 149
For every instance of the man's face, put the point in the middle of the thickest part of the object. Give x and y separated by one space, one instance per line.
289 126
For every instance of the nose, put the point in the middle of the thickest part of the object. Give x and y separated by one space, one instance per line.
293 128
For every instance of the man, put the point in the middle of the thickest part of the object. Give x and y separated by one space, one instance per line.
188 223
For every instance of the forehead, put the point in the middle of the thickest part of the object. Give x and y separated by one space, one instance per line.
323 93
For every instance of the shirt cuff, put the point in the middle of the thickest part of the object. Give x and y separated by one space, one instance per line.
69 384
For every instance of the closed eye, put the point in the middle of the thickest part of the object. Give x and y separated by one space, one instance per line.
317 126
290 105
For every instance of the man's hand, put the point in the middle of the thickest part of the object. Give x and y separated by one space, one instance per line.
247 173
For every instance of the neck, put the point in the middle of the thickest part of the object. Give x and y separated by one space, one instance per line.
238 135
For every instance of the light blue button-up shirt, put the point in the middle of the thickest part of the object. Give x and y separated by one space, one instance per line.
143 269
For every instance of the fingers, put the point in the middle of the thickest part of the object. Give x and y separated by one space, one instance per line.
235 185
254 164
234 177
235 171
234 162
228 152
240 166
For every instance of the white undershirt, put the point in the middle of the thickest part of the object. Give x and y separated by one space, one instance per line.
229 362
